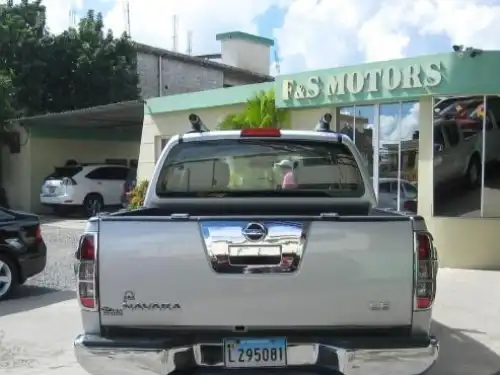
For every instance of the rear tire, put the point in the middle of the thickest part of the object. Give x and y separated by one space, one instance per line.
9 277
93 204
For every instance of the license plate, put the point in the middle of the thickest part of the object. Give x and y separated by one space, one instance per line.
250 353
244 251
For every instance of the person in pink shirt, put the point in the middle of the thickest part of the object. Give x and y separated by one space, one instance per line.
288 175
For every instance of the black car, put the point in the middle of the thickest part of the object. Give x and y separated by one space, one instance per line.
23 252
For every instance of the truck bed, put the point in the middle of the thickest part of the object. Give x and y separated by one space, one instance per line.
344 271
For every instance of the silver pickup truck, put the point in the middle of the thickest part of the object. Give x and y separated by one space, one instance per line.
257 249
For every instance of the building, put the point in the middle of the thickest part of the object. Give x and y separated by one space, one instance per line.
383 89
181 73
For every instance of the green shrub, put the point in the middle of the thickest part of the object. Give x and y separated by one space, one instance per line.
137 195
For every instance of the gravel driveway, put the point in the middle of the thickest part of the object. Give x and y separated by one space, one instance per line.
61 238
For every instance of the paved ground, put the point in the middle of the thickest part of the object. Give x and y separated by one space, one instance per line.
37 329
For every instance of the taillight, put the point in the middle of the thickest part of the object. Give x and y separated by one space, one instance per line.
86 272
260 132
426 270
38 233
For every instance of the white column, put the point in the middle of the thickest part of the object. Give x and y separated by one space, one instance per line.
425 157
376 148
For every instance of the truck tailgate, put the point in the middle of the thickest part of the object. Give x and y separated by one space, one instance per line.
223 273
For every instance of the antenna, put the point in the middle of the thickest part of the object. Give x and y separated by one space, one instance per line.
277 59
127 17
174 36
190 42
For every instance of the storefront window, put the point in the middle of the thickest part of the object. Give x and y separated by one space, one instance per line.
357 122
398 156
467 156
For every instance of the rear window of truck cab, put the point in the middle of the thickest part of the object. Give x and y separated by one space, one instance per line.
262 167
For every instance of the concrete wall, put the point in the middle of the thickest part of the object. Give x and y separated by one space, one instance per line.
179 77
16 171
235 80
147 68
246 54
46 153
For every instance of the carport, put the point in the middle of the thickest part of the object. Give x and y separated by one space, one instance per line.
108 133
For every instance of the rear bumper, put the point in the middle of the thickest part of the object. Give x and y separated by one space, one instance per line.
99 355
34 262
59 200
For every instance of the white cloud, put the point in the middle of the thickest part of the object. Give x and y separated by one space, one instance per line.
152 20
329 33
481 18
315 33
393 130
390 128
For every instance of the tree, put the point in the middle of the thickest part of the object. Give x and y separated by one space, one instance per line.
81 67
22 37
260 112
91 68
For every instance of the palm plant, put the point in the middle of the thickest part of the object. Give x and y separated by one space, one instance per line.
138 194
260 112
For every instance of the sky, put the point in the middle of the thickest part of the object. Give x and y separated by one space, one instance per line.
309 34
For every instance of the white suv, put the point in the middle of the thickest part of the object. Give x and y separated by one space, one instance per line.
90 187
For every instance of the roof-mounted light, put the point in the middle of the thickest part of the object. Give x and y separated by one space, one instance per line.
260 132
324 123
196 124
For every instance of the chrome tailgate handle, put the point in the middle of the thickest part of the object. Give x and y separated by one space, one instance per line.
254 247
